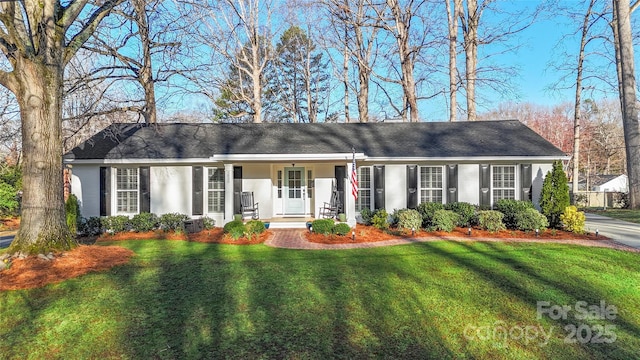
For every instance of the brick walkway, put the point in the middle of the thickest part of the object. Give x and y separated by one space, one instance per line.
293 239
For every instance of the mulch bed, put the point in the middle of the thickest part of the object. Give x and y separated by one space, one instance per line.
365 234
9 224
33 272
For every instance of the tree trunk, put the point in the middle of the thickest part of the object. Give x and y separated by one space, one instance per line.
628 99
146 72
39 93
345 75
256 104
363 94
452 15
576 113
471 57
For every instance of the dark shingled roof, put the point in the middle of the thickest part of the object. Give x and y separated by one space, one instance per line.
424 140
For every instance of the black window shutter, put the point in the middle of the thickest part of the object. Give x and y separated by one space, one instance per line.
237 188
412 186
341 174
197 197
145 187
452 183
525 182
378 184
105 191
485 186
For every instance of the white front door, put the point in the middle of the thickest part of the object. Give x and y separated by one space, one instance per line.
294 191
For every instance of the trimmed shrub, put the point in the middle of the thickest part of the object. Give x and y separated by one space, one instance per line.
530 219
172 221
208 223
409 219
366 214
235 229
116 223
8 199
573 220
445 220
466 211
380 219
341 229
427 210
91 226
491 220
554 197
509 208
72 210
144 222
254 227
322 226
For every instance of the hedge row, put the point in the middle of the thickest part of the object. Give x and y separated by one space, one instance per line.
139 223
508 214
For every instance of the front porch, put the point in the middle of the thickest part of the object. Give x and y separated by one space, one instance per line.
288 193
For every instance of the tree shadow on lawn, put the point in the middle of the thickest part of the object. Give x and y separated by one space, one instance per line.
202 300
509 282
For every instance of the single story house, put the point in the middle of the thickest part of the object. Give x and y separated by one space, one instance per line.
293 169
607 183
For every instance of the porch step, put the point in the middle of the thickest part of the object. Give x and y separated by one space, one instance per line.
288 224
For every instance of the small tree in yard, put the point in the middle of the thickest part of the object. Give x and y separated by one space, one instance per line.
555 195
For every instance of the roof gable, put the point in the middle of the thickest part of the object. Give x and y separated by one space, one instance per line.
381 140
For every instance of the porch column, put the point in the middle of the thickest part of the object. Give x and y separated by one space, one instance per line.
228 192
350 203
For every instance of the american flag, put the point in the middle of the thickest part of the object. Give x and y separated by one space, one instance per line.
354 177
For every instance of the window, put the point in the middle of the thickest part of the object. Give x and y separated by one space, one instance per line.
431 184
215 190
364 188
504 182
127 190
310 182
294 184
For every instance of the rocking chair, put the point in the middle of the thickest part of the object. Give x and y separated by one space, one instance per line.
248 206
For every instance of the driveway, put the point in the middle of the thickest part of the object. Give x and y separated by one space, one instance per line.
5 240
621 231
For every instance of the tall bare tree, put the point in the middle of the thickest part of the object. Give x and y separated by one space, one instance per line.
239 34
38 39
452 20
623 39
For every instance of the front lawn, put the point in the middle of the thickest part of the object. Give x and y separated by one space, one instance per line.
428 300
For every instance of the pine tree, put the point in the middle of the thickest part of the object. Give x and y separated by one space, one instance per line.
555 195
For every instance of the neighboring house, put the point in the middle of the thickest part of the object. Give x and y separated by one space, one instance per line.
608 183
200 169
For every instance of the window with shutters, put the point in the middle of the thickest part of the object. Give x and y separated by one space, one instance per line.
215 190
431 184
503 182
364 188
127 183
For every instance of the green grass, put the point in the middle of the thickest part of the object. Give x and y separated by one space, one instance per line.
621 214
190 300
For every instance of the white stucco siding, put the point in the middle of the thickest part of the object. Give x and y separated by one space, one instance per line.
257 178
395 183
469 183
170 189
85 185
538 172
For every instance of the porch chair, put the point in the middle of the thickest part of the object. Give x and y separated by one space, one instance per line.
248 206
333 208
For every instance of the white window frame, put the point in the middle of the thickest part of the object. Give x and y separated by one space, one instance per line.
358 204
114 184
442 183
211 191
503 188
